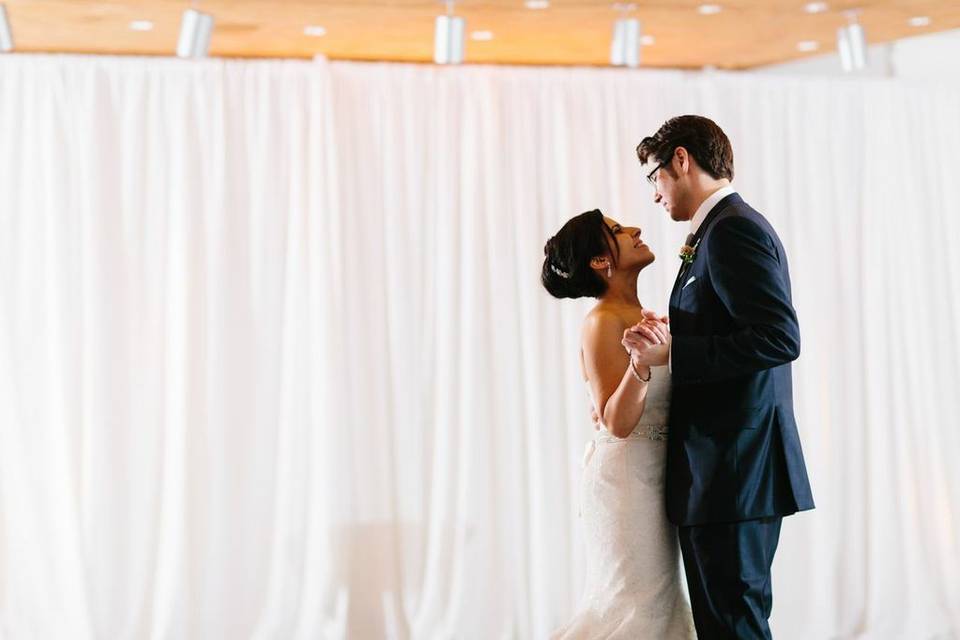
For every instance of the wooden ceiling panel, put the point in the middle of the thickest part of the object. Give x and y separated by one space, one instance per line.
744 34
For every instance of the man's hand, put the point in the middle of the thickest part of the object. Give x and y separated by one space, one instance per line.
651 315
648 341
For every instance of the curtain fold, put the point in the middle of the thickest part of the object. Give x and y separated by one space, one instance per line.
275 361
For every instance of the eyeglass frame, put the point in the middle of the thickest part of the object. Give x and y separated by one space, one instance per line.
650 178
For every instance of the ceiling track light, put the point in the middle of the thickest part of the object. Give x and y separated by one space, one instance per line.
852 44
448 38
625 44
6 35
196 28
141 25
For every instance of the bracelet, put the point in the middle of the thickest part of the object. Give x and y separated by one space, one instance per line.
636 374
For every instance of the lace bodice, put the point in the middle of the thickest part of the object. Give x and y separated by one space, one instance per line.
657 409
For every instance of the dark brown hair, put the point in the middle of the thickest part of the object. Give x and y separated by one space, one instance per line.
701 137
566 271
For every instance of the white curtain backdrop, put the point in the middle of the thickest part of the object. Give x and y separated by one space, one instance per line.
275 361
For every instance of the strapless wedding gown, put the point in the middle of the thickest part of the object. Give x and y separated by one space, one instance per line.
633 587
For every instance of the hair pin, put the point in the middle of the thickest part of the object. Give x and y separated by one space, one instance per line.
558 271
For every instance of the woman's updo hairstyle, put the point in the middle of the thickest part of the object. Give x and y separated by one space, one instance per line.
566 269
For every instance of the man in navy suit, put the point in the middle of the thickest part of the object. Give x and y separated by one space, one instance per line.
734 463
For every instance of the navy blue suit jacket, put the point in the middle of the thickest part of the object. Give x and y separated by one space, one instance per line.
734 453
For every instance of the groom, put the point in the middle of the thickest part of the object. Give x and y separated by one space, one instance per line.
734 462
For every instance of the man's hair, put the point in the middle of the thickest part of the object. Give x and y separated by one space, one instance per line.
701 137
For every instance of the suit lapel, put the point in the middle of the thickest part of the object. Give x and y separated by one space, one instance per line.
718 208
683 265
707 221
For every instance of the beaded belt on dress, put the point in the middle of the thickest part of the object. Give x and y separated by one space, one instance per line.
656 432
641 432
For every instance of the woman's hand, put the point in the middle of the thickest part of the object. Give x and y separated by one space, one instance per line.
653 330
648 341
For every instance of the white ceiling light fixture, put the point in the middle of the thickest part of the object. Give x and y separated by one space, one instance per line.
625 45
709 9
852 43
815 7
808 45
314 31
482 36
6 35
196 28
448 37
919 21
648 41
141 25
537 4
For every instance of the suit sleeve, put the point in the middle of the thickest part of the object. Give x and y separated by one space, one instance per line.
751 284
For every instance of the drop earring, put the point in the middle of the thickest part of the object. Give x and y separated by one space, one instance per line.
609 270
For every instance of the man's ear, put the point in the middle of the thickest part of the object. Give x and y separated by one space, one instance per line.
683 160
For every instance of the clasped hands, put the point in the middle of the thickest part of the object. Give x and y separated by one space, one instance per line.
648 341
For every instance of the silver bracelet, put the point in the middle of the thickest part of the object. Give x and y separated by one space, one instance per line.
636 374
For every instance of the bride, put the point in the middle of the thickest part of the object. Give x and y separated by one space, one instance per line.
633 587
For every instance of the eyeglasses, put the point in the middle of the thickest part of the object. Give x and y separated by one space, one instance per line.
651 178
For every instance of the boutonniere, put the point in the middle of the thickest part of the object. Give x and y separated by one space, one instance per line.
688 253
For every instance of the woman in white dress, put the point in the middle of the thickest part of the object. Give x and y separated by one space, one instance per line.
633 586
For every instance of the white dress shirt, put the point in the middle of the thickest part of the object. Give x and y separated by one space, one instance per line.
707 205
